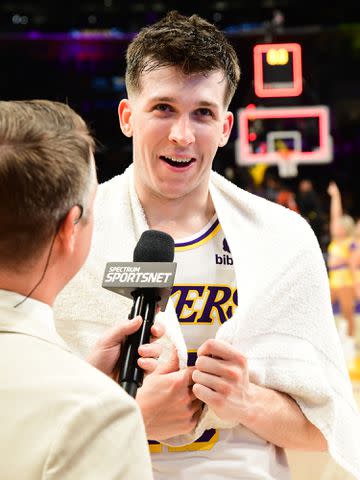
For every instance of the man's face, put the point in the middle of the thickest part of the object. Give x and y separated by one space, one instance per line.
177 123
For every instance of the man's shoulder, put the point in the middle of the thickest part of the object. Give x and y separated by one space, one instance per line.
259 210
111 195
112 186
73 375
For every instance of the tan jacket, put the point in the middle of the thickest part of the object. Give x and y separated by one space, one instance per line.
60 418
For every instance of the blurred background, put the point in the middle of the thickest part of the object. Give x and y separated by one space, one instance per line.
74 52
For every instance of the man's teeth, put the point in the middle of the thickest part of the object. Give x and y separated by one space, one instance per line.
179 160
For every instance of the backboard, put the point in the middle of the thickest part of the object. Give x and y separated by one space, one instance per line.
284 134
278 70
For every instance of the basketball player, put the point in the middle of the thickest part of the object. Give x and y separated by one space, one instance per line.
251 293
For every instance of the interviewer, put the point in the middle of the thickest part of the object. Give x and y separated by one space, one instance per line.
60 417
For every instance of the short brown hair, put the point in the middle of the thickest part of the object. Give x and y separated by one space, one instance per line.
45 169
190 43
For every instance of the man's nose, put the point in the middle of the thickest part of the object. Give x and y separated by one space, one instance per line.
181 131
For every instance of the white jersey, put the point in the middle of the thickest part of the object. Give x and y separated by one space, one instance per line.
205 296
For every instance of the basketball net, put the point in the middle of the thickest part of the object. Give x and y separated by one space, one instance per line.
286 165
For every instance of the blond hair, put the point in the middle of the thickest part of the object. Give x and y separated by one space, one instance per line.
347 222
45 168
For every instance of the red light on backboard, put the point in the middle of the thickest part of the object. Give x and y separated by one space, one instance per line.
278 54
252 136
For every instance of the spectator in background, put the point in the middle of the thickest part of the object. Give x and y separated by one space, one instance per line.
271 188
339 252
276 191
286 198
355 259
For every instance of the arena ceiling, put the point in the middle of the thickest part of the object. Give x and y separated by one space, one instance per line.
129 16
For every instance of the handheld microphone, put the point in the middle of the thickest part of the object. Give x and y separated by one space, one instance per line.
148 281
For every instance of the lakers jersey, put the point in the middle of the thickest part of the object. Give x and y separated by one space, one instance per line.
205 296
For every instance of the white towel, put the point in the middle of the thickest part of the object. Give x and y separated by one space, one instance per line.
283 324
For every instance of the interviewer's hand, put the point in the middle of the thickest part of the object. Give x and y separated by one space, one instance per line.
168 405
106 351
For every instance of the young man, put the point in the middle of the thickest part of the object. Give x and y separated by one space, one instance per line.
60 417
251 293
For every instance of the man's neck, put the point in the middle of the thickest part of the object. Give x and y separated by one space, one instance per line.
23 285
179 217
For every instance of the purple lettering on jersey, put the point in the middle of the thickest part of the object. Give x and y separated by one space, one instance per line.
185 301
192 356
219 297
226 246
217 304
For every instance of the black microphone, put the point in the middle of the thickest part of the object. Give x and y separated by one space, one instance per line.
148 281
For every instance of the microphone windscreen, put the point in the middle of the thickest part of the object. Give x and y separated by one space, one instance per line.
154 246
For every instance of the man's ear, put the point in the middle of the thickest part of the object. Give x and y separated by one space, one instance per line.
125 117
227 127
68 229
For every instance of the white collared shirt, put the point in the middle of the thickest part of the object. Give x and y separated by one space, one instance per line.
60 417
32 317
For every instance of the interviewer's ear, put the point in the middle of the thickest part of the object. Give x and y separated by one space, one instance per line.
125 117
68 228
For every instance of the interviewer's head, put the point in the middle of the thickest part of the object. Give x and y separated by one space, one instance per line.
47 182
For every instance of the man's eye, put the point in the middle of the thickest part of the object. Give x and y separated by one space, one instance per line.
163 107
206 112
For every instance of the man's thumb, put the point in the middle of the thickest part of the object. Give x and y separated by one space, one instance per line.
171 363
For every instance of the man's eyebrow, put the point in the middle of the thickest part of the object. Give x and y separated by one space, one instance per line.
201 103
206 103
163 99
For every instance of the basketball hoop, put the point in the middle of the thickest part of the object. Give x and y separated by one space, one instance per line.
286 165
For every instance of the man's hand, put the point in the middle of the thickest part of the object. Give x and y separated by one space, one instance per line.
105 354
333 189
221 379
168 405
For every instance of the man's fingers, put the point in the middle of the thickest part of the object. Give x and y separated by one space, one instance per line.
116 335
222 350
150 350
215 366
205 394
195 401
172 364
208 380
147 364
157 331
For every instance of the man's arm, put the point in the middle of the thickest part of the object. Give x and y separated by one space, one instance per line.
167 403
222 381
101 436
336 210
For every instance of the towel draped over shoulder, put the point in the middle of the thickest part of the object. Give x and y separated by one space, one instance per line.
283 325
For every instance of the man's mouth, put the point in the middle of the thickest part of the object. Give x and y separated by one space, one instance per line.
178 162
